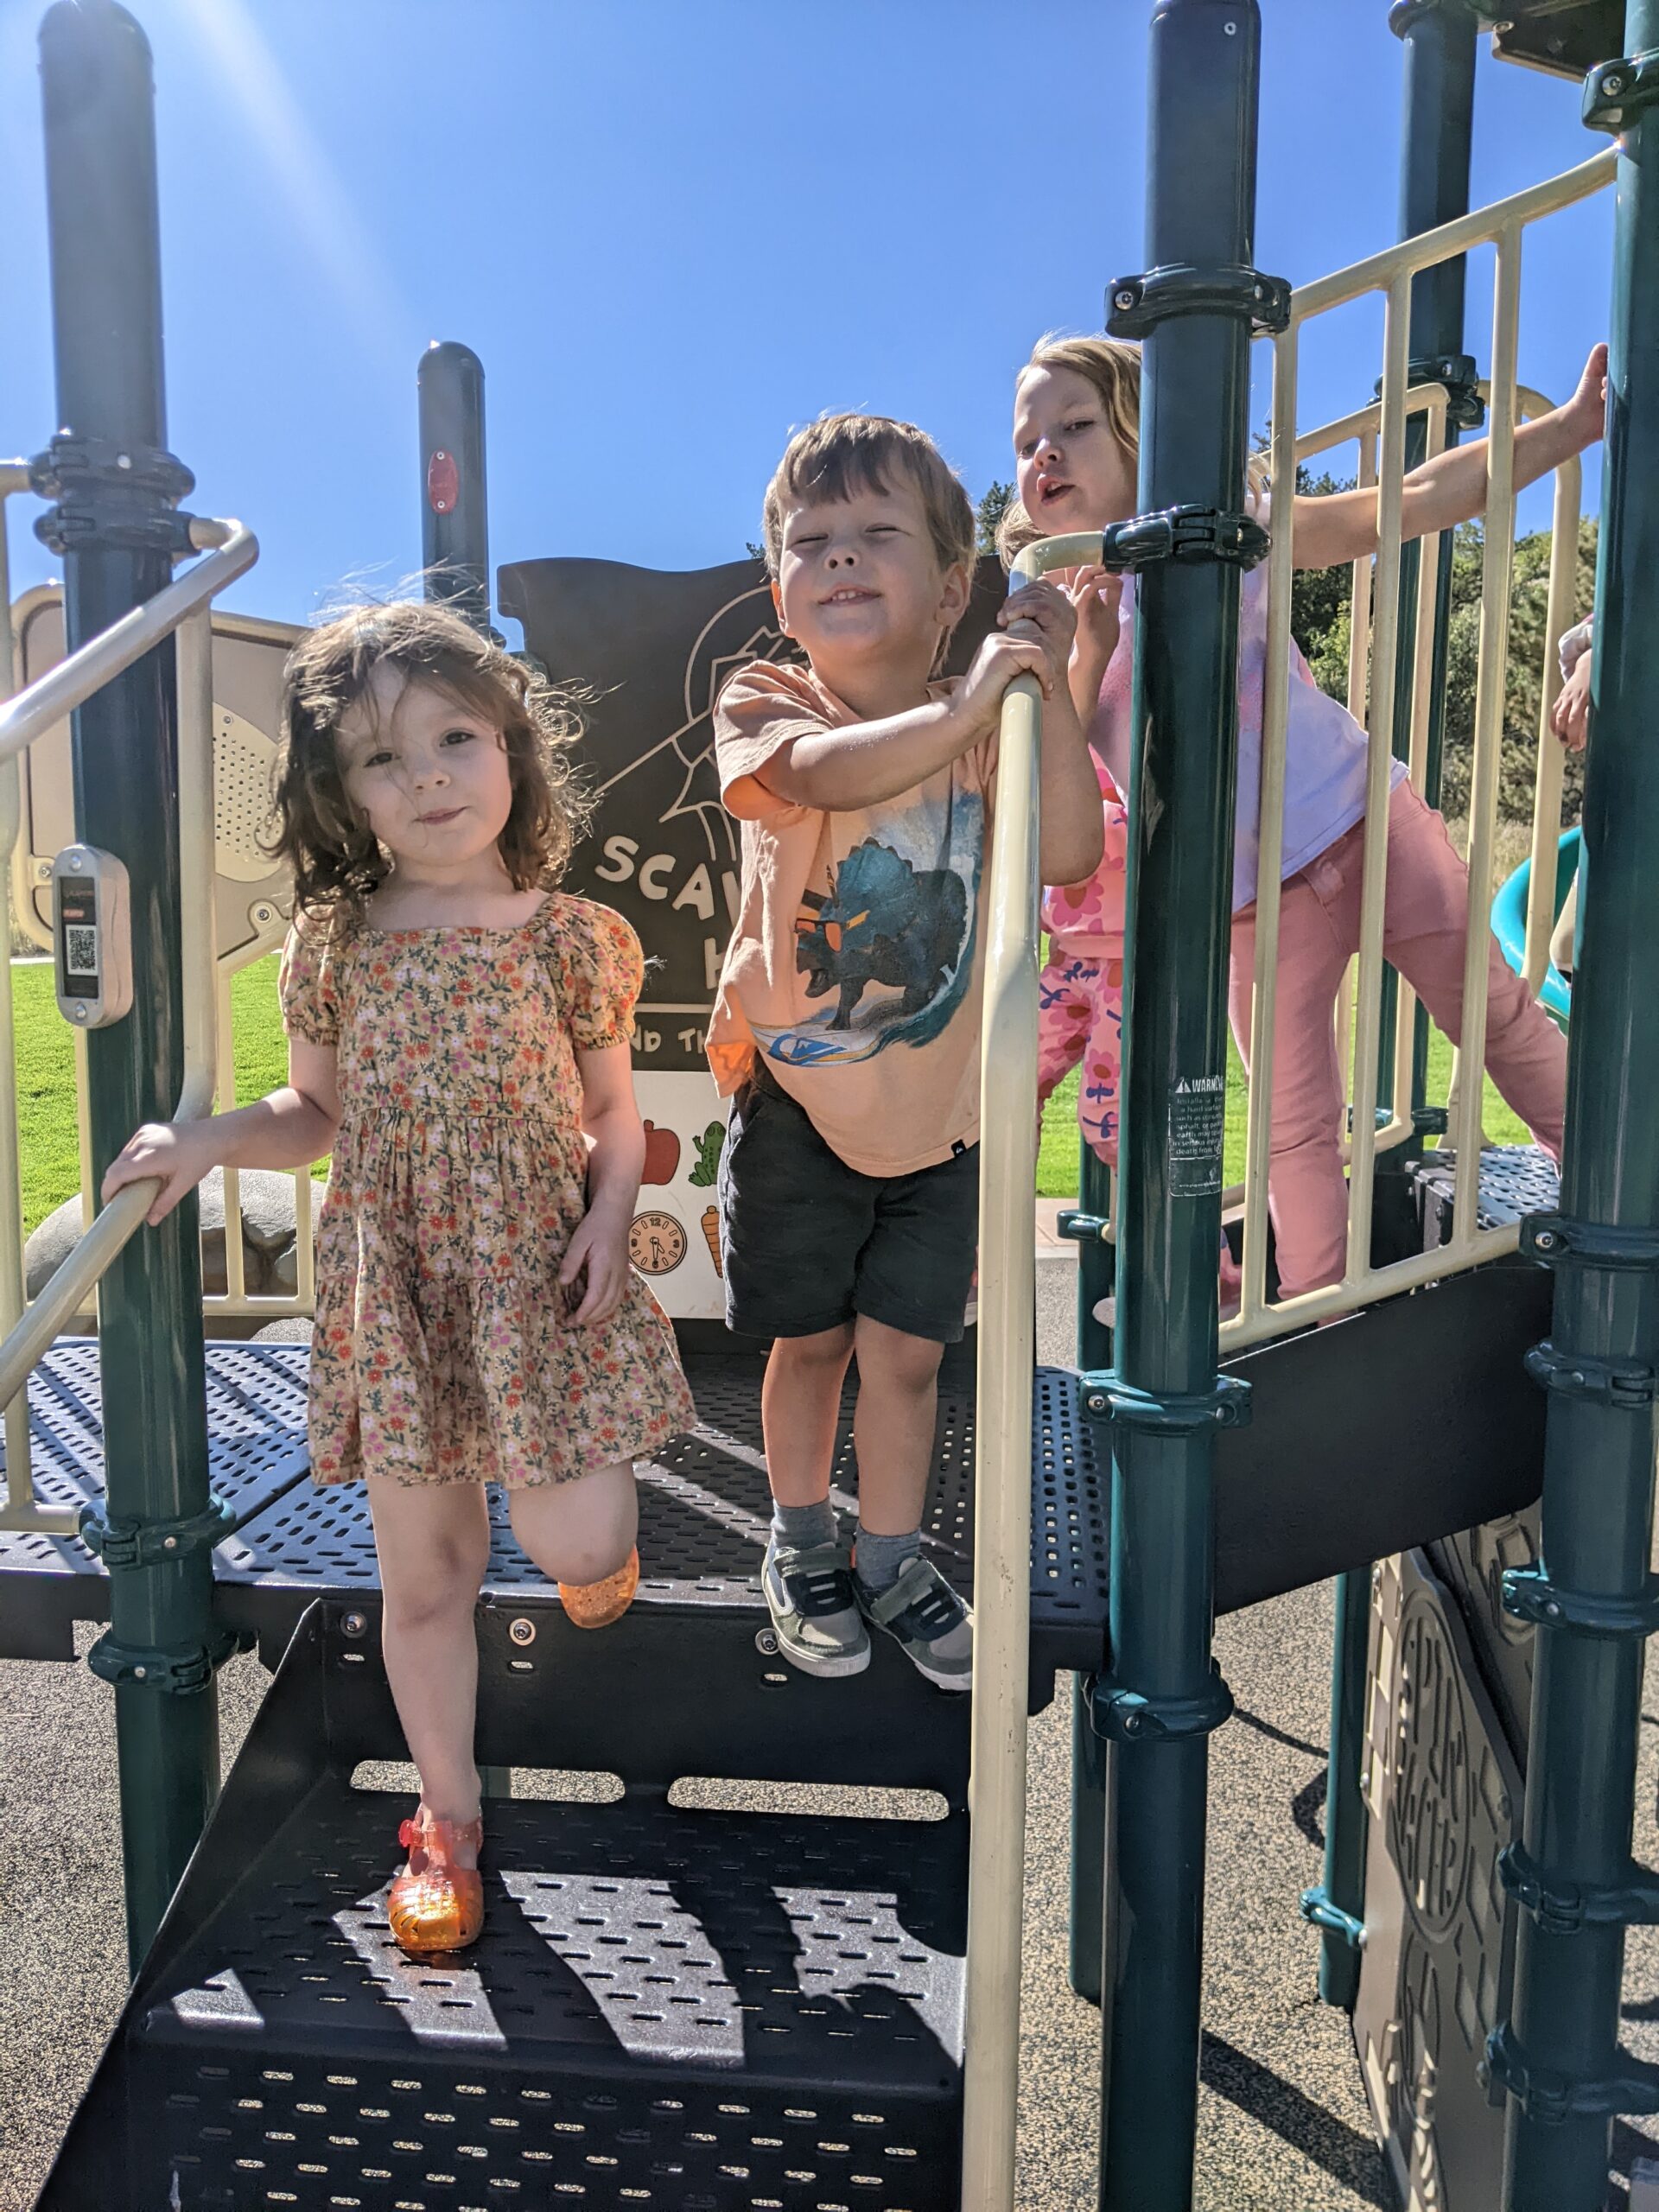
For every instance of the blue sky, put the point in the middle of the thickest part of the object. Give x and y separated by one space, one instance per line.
672 231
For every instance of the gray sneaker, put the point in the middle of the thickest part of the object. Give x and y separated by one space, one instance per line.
924 1617
810 1595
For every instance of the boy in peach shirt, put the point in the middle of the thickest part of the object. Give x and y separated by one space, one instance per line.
846 1024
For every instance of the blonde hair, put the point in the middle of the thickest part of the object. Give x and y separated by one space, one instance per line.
840 455
1112 366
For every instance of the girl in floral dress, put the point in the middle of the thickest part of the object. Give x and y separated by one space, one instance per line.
458 1039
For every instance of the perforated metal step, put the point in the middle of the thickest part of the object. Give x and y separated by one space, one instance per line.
678 2000
704 1505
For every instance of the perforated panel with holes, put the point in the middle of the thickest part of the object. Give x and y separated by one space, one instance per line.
668 2008
1516 1180
704 1506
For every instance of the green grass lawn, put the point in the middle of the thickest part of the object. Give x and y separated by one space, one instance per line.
45 1089
46 1073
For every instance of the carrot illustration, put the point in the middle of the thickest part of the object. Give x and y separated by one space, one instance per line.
708 1147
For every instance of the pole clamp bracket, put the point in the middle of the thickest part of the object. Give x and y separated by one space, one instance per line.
1616 93
1406 14
1561 1907
1557 1240
110 494
1550 2099
1125 1716
1186 533
1530 1595
1627 1383
1174 1414
176 1669
128 1543
1135 305
1083 1228
1460 374
1317 1908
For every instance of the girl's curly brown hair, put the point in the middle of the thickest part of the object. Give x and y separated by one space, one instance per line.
336 860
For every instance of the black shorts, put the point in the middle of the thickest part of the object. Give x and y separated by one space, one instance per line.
810 1242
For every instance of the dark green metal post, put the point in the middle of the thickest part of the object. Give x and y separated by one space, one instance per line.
455 488
1164 1398
116 487
1592 1596
1439 37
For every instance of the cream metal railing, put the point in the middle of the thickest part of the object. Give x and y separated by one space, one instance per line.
1377 581
183 608
1008 1297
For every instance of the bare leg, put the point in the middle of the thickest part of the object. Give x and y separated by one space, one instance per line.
433 1544
579 1531
800 1406
892 1428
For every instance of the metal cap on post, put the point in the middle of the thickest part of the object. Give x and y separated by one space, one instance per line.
454 489
117 488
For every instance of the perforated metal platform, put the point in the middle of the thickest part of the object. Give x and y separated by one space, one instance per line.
704 1505
676 2003
1516 1180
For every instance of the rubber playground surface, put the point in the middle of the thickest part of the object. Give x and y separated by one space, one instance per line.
1283 2122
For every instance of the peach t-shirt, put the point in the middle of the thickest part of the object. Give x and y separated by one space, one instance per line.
856 964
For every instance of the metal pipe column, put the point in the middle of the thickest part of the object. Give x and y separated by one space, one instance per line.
1439 37
116 487
455 505
1165 1397
1592 1596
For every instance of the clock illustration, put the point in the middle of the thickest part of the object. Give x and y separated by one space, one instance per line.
656 1243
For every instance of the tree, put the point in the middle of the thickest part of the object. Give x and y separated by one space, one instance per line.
990 512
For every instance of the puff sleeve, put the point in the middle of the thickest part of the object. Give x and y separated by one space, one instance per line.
307 983
598 969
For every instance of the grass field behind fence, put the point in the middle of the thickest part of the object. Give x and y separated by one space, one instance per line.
47 1114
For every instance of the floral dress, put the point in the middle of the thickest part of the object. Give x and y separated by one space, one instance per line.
443 1352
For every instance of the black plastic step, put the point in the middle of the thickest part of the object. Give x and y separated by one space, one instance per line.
671 2006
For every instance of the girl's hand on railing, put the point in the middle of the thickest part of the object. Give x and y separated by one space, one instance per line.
178 1153
1585 415
1570 716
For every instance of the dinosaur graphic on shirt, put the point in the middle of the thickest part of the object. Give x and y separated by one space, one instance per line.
883 922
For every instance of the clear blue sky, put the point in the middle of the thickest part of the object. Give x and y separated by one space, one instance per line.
673 230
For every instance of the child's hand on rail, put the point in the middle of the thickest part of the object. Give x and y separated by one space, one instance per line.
1043 607
1001 657
1585 415
179 1153
1570 716
1095 593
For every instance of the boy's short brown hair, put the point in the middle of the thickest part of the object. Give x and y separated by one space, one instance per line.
841 455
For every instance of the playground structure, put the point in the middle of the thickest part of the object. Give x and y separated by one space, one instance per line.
1119 1505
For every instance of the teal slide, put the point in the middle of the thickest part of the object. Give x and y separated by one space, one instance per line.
1510 922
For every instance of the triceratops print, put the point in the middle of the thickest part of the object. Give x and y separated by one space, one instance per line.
882 922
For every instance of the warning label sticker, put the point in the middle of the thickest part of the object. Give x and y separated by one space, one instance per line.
1198 1120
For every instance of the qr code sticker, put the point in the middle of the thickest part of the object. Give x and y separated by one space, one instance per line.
81 953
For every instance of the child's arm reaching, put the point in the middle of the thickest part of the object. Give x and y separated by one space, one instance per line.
616 1161
1451 488
860 764
288 1127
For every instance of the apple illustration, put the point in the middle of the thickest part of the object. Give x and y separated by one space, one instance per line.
662 1154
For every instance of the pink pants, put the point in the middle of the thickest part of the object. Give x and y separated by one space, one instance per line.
1424 927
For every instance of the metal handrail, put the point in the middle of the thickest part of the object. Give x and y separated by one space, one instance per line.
1007 1292
184 607
1373 703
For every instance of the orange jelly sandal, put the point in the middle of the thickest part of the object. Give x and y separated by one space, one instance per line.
596 1605
433 1905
